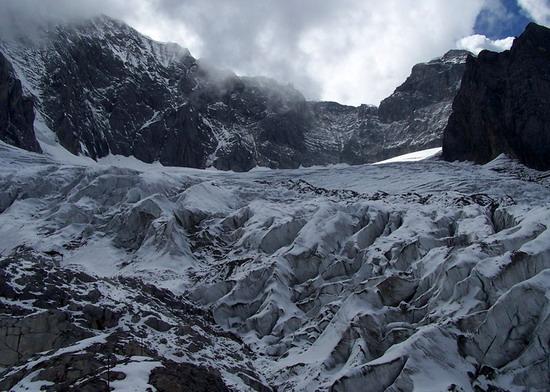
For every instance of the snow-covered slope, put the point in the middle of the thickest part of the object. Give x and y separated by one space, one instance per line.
428 276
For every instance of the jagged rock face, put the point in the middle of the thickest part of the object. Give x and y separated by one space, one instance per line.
418 110
430 83
24 337
103 88
341 133
114 91
109 90
16 111
101 102
503 104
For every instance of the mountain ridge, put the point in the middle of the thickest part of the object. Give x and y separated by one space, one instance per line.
111 90
401 276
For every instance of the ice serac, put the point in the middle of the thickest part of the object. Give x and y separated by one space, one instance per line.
503 105
103 88
16 111
411 276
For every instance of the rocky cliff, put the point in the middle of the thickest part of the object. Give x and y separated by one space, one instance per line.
503 105
16 111
103 88
413 117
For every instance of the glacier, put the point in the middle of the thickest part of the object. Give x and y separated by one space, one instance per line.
401 276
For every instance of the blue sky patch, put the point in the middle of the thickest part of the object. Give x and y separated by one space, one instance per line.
501 18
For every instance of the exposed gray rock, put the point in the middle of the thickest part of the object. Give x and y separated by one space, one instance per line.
411 119
81 345
110 90
157 324
429 84
16 111
100 317
21 338
186 377
106 362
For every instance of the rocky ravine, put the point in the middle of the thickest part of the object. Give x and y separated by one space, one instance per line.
503 105
102 88
427 276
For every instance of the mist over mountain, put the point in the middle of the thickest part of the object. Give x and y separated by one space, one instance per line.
104 89
308 44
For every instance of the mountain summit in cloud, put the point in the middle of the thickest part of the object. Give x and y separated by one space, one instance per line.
353 52
101 88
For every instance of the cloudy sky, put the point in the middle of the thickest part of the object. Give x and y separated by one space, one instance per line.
350 51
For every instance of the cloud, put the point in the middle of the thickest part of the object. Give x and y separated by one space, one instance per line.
29 17
478 42
495 13
351 51
498 18
539 10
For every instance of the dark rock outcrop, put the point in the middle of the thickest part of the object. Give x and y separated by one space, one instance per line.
16 111
114 91
429 83
23 337
186 377
77 339
503 105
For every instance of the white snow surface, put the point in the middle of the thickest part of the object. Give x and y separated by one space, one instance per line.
137 371
413 156
404 276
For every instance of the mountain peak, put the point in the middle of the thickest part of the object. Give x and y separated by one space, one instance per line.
536 36
536 29
454 56
112 90
502 104
125 41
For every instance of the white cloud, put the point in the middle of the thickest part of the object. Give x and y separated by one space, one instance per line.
539 10
477 42
351 51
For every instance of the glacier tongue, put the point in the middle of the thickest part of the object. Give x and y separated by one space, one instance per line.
399 277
